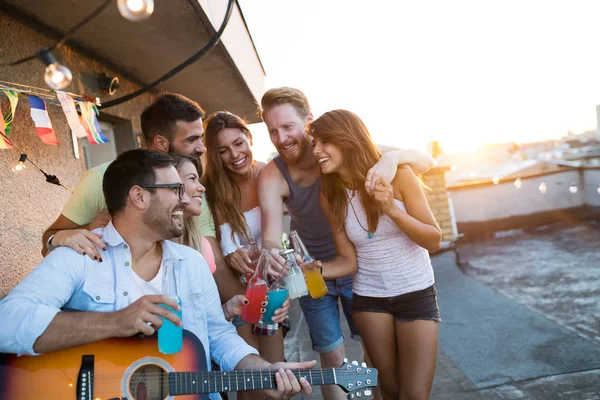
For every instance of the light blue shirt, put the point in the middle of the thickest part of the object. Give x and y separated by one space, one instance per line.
66 279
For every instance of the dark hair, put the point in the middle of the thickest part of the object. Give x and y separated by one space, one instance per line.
160 117
347 131
133 167
222 192
180 159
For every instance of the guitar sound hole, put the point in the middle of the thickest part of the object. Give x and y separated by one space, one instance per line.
149 382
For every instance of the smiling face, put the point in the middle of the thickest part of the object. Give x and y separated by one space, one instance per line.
193 189
187 138
287 130
329 156
165 213
235 151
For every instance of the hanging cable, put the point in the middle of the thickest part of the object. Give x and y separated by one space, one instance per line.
66 36
49 177
180 67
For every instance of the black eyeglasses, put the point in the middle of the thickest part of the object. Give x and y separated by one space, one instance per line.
179 186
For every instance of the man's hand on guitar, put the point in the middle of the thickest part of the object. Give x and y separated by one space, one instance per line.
287 383
143 316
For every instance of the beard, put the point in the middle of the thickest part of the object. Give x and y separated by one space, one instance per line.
161 220
304 146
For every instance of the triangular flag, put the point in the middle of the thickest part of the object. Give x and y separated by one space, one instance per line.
13 97
3 142
68 106
41 120
89 121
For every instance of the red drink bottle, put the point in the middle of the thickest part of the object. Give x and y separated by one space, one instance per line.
257 290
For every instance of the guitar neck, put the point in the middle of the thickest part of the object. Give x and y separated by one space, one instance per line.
182 383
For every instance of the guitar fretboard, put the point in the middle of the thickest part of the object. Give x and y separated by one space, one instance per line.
182 383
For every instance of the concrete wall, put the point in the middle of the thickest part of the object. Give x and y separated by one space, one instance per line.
28 205
489 202
591 177
486 208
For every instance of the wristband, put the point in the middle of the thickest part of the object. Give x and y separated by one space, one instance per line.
49 244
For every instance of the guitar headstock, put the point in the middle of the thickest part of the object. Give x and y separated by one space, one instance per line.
354 378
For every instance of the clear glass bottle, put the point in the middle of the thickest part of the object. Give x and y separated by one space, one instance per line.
314 280
295 281
254 254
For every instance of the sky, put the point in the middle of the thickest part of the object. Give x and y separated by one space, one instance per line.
464 73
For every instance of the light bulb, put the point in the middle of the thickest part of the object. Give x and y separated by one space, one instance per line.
542 188
20 164
496 180
518 183
573 188
56 76
136 10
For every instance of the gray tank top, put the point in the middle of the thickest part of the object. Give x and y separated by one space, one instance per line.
307 216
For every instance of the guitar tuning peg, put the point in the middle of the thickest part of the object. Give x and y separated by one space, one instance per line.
345 360
367 392
358 394
355 363
351 396
364 364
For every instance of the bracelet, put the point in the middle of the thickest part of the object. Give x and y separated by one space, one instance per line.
228 316
49 244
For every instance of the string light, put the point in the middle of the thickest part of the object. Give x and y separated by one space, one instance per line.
20 164
496 180
573 188
598 190
542 188
518 183
57 76
136 10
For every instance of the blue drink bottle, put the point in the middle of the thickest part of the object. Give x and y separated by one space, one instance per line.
170 336
278 292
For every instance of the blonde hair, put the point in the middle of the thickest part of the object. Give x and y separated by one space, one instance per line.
284 95
191 225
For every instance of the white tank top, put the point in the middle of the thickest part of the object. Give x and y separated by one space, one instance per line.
389 263
253 221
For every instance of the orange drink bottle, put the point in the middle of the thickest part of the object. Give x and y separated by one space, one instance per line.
314 280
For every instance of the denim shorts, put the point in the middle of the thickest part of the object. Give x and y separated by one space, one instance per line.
407 307
323 316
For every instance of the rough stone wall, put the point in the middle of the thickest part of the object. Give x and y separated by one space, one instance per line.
28 205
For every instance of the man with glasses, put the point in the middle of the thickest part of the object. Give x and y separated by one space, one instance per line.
171 124
122 296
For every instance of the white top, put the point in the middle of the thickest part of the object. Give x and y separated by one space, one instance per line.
140 287
228 245
389 263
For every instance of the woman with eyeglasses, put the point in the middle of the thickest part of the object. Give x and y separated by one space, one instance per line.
232 193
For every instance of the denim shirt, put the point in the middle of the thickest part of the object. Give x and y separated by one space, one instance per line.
66 279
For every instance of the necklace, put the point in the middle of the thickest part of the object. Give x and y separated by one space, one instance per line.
369 234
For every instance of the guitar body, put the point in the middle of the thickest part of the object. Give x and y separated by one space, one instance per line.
123 368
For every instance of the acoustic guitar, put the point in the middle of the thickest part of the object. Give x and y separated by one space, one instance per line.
133 369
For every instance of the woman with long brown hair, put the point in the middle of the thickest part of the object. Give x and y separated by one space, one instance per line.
232 193
391 230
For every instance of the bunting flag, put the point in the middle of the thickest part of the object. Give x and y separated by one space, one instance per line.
13 97
3 142
68 106
41 120
90 123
